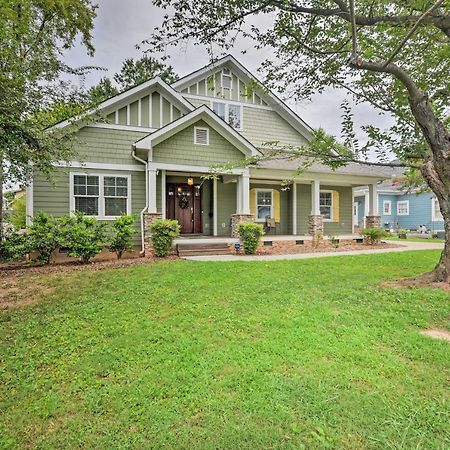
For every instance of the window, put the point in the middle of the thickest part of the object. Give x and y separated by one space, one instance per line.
387 204
227 81
201 136
232 114
403 208
86 194
436 210
102 196
326 205
264 204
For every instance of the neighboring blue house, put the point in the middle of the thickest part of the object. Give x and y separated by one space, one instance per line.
399 209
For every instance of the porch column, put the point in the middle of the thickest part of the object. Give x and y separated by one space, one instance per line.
163 194
373 220
315 222
294 208
245 193
214 206
152 190
242 205
239 195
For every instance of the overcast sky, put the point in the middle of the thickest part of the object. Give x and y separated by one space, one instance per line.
120 25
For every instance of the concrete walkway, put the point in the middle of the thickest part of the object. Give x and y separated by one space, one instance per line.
405 247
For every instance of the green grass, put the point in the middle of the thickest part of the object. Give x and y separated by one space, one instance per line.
313 354
417 239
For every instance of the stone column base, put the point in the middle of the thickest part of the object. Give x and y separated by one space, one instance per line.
149 218
315 225
373 221
236 219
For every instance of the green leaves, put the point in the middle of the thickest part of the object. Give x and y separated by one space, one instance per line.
122 238
163 234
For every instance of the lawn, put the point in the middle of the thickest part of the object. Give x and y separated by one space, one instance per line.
313 354
416 239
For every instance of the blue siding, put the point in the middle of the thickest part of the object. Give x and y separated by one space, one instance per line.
388 221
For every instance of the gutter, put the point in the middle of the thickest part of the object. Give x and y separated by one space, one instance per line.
133 154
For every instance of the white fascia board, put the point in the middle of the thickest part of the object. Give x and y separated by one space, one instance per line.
201 113
99 166
193 169
287 113
117 100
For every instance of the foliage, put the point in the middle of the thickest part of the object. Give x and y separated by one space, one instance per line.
82 236
103 90
317 239
250 234
123 231
43 236
17 216
163 234
13 245
334 241
402 232
318 353
373 236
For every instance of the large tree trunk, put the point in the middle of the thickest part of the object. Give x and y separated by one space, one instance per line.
2 212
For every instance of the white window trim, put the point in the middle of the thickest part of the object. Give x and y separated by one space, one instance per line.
101 193
230 76
387 202
433 214
195 135
331 211
407 207
256 204
227 111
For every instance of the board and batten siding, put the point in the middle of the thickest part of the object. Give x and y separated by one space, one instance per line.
180 149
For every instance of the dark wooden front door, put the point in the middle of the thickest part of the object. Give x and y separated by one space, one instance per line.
184 203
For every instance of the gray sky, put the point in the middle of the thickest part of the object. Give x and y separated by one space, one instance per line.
120 25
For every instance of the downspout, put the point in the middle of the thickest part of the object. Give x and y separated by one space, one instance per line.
133 154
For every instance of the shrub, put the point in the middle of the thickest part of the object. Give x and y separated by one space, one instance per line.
402 233
43 236
17 217
14 245
250 234
122 238
317 239
163 234
372 236
334 241
82 236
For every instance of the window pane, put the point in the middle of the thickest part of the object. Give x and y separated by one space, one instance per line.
121 191
219 109
325 198
234 116
264 212
121 182
92 180
326 212
115 206
110 181
92 190
87 205
79 190
79 179
264 198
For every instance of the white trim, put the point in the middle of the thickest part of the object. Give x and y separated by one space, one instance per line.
229 102
215 206
128 114
294 208
29 203
327 191
163 194
161 111
315 197
103 166
192 169
257 219
150 109
230 76
113 126
227 112
195 135
355 217
406 202
433 214
140 112
101 193
387 202
116 117
152 179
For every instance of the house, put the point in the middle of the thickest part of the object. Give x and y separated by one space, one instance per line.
399 208
158 141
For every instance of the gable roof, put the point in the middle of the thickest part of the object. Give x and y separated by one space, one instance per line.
157 83
272 100
208 116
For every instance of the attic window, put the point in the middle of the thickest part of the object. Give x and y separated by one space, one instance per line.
226 81
201 136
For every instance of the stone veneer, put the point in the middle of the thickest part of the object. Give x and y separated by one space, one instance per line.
373 221
315 225
149 218
236 219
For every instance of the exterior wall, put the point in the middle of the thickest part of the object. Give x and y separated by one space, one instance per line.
388 221
180 149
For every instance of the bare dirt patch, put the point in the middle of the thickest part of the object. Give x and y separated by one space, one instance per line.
437 333
425 280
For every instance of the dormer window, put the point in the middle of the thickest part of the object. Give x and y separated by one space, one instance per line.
231 113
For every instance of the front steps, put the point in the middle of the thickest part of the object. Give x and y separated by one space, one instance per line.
202 249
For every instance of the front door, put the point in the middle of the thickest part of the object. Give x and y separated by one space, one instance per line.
184 204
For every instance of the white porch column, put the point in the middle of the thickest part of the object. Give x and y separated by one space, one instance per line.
163 194
245 193
152 190
214 206
315 198
239 195
294 208
373 200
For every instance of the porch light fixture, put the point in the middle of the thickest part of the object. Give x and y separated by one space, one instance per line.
190 181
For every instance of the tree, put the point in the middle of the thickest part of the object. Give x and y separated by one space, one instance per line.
103 90
33 37
392 54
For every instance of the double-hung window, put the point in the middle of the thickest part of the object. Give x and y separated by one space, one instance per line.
326 204
403 208
436 211
231 113
101 196
264 204
387 204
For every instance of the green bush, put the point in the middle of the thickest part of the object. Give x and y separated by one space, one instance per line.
250 234
163 234
82 236
334 241
13 246
43 236
17 217
373 236
122 239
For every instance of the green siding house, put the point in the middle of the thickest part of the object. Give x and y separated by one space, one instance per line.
150 154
